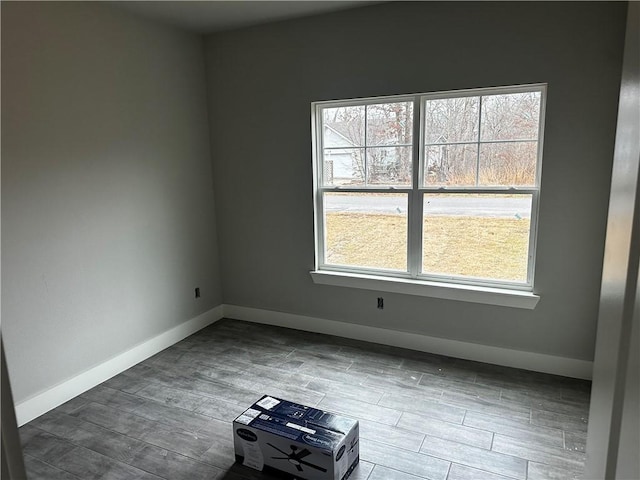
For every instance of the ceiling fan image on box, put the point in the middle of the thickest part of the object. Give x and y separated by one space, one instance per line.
296 458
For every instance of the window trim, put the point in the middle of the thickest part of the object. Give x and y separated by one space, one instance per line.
435 284
447 291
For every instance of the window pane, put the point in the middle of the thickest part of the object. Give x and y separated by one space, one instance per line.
343 166
343 127
514 116
390 124
508 163
449 120
366 230
389 166
483 236
451 165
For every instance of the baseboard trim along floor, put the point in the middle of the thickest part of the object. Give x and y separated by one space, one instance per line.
64 391
57 395
537 362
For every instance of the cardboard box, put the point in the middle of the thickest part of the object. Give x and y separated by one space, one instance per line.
296 441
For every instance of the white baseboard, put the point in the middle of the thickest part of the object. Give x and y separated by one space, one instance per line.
538 362
57 395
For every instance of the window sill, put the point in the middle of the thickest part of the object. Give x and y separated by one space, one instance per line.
448 291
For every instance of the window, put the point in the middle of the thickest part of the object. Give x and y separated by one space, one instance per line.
438 187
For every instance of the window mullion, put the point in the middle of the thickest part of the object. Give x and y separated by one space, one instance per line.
364 150
414 242
533 235
321 237
478 148
317 127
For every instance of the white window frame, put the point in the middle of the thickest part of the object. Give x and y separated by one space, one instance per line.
480 290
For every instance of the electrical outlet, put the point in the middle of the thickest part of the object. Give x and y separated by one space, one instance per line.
380 303
197 292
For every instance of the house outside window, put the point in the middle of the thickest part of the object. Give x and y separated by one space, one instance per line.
438 187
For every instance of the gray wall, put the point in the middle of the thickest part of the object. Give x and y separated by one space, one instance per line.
12 463
613 440
107 201
263 79
627 461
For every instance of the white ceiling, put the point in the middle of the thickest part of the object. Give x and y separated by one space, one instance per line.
208 16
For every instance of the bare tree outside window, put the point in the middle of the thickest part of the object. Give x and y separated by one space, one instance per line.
371 143
484 140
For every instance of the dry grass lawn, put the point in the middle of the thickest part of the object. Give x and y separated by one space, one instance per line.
483 247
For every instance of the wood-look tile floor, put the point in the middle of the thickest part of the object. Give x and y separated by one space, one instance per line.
421 416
